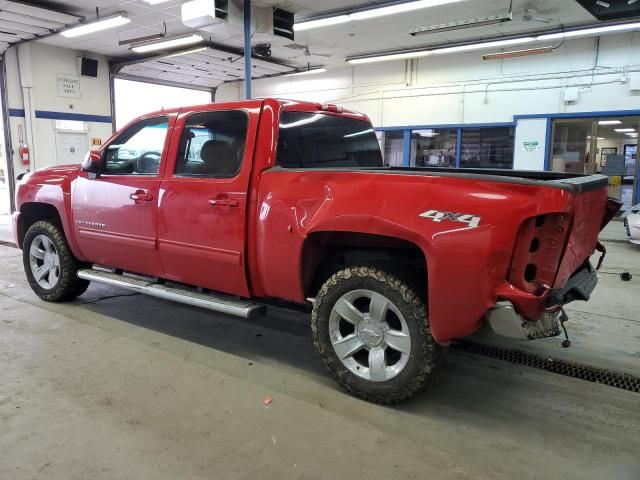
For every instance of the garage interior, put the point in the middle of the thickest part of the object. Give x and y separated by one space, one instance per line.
115 384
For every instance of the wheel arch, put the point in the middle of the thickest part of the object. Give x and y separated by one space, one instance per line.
325 252
32 212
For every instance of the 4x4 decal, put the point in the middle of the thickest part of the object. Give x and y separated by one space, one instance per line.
471 220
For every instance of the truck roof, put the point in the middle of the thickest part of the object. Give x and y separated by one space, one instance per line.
285 104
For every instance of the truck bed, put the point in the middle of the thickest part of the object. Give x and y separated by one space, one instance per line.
574 182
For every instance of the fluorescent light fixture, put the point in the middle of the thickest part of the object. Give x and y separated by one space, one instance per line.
321 22
518 53
633 135
625 130
383 57
475 22
439 51
370 13
311 71
482 46
187 52
609 122
398 8
97 26
389 57
155 2
599 138
591 31
169 43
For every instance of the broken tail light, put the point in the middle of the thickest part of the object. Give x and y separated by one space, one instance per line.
538 251
610 211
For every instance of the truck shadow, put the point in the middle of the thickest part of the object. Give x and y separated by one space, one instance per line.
478 389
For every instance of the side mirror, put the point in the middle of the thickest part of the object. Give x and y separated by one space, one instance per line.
93 163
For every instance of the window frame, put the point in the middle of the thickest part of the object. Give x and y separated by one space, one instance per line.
103 153
184 128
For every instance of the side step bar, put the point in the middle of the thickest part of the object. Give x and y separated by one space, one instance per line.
217 303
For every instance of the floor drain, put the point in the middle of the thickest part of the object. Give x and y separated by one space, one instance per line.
610 378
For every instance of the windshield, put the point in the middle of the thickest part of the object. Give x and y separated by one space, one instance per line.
319 140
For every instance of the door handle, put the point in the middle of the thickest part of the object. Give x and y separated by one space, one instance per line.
140 196
223 201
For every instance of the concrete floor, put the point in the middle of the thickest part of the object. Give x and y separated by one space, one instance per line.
116 385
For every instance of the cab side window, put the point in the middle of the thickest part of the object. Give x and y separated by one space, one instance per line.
138 150
212 144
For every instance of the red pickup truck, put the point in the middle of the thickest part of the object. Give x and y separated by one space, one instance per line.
233 206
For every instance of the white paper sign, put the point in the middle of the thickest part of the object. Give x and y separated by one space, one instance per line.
531 145
68 85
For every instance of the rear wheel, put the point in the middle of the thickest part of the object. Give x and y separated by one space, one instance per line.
372 331
50 266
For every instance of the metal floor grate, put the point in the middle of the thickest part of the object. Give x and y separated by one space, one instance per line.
610 378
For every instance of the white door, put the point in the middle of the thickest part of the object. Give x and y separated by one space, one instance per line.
72 147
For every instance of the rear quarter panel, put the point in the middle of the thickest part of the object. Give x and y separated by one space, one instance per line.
465 265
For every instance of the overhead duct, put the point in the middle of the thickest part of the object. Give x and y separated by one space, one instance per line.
223 19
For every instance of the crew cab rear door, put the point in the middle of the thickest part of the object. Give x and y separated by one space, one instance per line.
115 214
203 207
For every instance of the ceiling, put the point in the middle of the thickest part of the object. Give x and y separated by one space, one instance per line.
328 46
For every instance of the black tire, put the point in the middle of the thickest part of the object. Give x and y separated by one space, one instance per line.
68 286
425 352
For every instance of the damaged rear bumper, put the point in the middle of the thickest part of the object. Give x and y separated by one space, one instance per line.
507 322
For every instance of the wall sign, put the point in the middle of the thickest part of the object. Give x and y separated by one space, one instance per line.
96 142
68 85
531 145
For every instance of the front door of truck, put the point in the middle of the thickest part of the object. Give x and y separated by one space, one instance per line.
203 207
115 214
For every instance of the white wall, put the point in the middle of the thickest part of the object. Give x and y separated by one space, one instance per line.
45 62
462 88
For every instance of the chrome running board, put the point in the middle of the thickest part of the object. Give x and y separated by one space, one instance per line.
217 302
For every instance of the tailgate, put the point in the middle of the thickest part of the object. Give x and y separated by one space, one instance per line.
591 212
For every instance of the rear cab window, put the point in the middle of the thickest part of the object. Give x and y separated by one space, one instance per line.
322 140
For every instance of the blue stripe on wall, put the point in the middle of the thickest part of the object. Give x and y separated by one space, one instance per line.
73 116
16 112
548 146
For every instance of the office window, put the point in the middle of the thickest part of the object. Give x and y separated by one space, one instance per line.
392 152
434 147
490 147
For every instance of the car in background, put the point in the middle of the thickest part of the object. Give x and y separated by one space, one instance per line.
632 224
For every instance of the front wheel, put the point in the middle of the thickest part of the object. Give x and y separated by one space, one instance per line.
372 331
50 266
